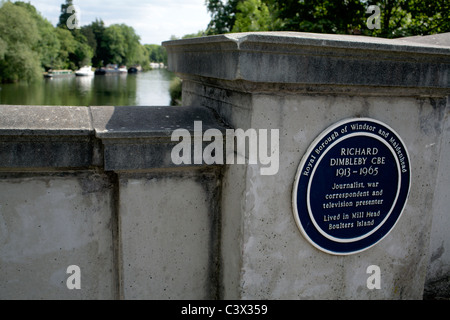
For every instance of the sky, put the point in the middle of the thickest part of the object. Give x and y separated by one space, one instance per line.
154 21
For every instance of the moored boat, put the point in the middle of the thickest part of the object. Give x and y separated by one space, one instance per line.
135 69
85 71
157 65
58 73
111 69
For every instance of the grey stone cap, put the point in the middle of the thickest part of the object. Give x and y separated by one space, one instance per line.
44 120
149 122
441 39
327 40
139 138
307 58
115 138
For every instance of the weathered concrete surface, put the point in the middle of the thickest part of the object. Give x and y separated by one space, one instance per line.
437 283
293 57
276 262
49 222
116 138
169 227
150 232
148 122
442 39
301 84
139 138
438 276
44 120
45 137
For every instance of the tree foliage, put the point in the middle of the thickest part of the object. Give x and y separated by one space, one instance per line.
223 15
121 44
30 44
398 18
19 37
413 17
252 15
156 53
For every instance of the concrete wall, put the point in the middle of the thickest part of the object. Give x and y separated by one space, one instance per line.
96 187
438 273
169 233
48 222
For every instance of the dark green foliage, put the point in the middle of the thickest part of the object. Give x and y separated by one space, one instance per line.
223 15
156 53
19 37
398 18
402 18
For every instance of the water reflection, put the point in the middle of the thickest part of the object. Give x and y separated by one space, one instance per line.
84 84
143 89
119 89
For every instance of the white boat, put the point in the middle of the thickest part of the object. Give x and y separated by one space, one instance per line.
157 65
85 71
123 69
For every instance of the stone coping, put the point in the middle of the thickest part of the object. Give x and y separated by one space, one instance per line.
439 44
307 58
115 138
149 122
44 120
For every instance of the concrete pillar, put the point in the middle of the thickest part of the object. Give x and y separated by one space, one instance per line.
301 84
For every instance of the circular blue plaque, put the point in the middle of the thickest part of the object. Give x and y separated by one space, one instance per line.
351 186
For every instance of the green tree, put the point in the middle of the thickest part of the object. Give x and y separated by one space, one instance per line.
117 44
428 16
144 58
88 33
121 44
101 51
68 46
3 48
18 37
399 18
83 52
321 16
156 53
253 15
114 44
292 15
48 44
223 15
402 18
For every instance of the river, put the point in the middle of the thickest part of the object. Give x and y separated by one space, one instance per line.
150 88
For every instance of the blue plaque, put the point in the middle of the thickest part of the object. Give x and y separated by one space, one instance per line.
351 186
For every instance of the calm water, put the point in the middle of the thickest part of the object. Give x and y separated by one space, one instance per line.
149 88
